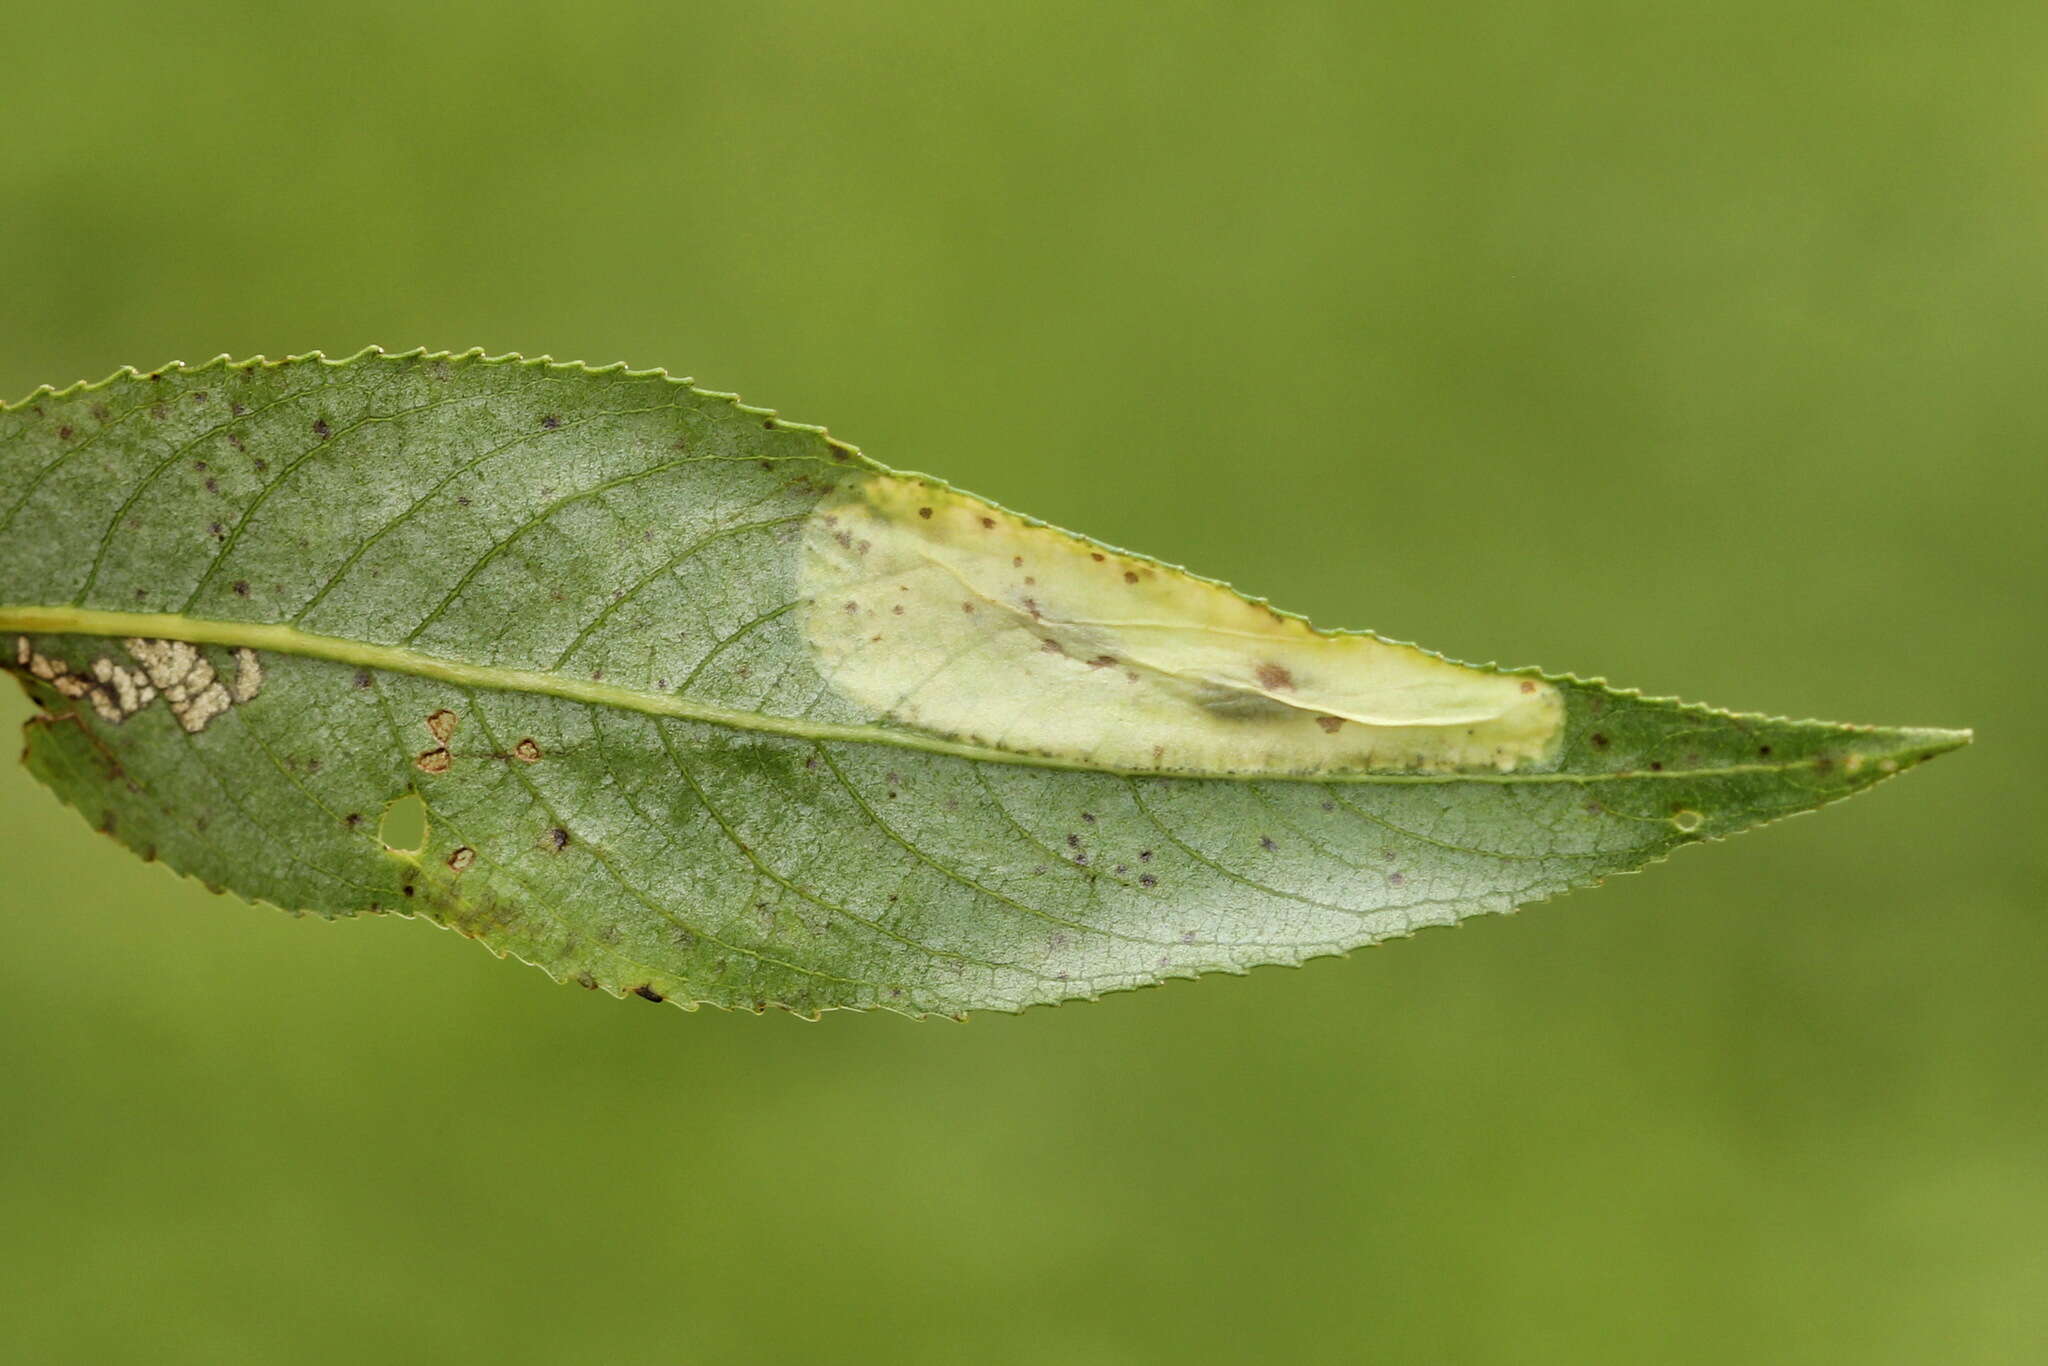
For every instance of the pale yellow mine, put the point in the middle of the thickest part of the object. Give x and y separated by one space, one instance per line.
947 614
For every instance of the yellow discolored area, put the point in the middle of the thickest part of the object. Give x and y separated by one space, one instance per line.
946 613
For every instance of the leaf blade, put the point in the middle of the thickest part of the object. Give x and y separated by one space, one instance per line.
606 567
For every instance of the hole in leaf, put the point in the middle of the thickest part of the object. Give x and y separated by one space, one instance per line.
404 827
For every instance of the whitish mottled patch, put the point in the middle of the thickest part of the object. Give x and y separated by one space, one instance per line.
116 693
248 675
185 678
946 613
171 668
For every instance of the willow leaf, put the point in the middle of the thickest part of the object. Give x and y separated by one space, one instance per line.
705 706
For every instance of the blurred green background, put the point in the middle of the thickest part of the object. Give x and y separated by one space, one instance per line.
1699 347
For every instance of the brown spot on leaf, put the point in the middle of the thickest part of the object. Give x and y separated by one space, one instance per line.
1330 724
1274 678
321 429
646 992
556 838
462 858
442 725
434 761
526 751
925 513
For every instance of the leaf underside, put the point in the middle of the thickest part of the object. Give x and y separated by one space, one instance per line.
704 706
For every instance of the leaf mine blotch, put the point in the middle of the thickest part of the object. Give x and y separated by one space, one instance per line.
1145 669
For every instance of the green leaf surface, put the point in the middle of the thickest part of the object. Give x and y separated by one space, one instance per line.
702 705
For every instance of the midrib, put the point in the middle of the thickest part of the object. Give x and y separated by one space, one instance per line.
397 659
